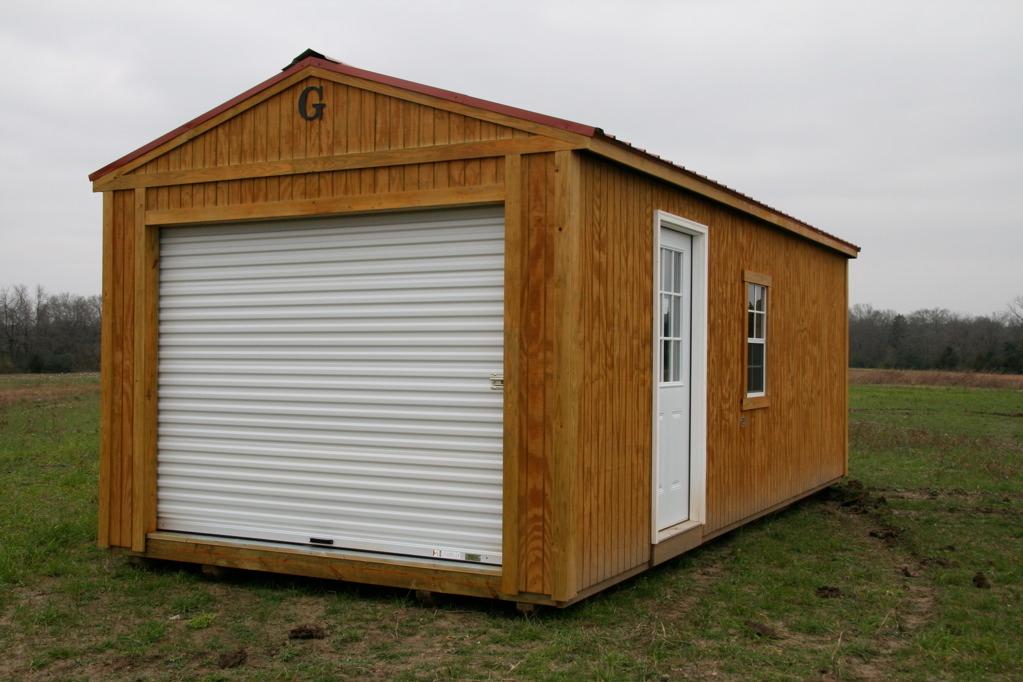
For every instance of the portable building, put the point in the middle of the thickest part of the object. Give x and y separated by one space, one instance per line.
360 328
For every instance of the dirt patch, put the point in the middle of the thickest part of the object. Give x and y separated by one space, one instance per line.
43 394
913 377
916 608
762 630
232 659
307 632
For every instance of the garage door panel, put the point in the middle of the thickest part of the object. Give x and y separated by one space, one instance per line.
335 257
393 300
331 379
273 452
282 352
339 414
337 497
245 373
363 439
315 472
439 264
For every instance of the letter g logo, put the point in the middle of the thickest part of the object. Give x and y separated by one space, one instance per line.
318 107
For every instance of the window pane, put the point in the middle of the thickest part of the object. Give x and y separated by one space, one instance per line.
665 315
665 270
758 330
755 368
676 364
676 270
756 354
750 296
676 316
750 324
665 361
755 380
761 297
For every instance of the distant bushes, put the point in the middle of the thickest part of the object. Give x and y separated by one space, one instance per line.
936 339
42 332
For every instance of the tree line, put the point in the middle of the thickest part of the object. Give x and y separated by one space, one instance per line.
42 332
937 339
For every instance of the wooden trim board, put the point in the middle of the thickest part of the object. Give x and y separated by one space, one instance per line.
564 374
514 386
390 201
106 371
692 182
352 161
330 564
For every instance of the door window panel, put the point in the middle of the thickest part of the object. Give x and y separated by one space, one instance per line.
672 276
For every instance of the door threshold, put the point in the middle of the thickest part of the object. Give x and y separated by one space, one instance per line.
677 529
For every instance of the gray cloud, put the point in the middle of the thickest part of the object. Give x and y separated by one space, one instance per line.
898 126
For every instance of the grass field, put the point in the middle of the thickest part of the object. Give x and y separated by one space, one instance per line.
874 579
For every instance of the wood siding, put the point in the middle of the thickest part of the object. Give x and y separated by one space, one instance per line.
354 121
118 344
755 458
528 297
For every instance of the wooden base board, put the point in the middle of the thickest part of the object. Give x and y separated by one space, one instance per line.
372 569
710 535
675 545
426 576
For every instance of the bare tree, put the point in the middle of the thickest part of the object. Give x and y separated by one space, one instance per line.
48 333
1016 309
937 339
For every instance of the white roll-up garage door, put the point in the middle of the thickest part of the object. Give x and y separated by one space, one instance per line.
335 381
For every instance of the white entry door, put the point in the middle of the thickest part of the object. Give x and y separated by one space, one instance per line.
336 382
674 283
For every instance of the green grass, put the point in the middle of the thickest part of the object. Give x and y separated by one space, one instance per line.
942 471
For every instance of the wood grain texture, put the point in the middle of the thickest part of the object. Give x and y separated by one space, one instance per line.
532 297
355 120
394 160
795 444
375 570
140 426
691 181
515 258
319 206
117 370
106 375
563 376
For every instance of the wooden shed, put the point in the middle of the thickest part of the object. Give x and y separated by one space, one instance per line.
360 328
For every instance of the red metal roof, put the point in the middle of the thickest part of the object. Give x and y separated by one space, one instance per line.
514 112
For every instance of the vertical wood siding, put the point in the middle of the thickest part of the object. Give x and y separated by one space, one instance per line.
118 371
354 121
534 473
795 444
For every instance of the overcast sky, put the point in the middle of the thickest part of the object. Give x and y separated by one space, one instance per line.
895 125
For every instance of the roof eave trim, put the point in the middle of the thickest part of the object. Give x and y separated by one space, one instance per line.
802 229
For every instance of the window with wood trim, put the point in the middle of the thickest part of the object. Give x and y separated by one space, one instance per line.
757 290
